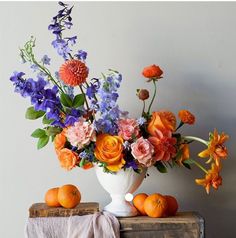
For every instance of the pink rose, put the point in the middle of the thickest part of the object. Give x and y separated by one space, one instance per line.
142 150
128 128
81 134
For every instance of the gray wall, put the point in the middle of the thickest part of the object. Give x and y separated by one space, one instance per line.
194 43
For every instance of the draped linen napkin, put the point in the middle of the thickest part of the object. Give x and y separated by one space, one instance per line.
98 225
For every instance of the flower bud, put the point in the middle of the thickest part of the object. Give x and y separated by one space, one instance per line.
143 94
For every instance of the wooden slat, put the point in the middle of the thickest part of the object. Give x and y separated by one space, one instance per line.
183 225
42 210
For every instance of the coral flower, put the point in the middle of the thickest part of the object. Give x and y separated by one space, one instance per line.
212 178
152 71
68 159
185 153
164 145
163 121
73 72
109 149
216 149
186 117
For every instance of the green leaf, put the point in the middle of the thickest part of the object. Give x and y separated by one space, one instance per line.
189 161
78 100
161 168
31 114
66 100
42 141
186 165
52 131
38 133
47 121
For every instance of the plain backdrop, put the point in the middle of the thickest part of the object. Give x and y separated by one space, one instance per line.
195 45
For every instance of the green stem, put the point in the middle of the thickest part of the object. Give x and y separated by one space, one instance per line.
195 139
86 102
200 166
143 108
154 95
180 124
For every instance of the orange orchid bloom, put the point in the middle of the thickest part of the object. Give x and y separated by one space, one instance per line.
216 149
212 178
185 153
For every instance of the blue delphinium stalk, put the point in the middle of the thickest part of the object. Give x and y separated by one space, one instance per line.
60 23
42 98
107 105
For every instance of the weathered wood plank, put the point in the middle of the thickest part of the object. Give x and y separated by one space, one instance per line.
42 210
183 225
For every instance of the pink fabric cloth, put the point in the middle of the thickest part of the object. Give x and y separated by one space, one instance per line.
98 225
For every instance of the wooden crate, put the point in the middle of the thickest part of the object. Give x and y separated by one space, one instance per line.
183 225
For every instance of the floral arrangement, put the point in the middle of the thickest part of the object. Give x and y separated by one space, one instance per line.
88 127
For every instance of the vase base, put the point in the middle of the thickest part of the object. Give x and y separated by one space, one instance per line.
124 209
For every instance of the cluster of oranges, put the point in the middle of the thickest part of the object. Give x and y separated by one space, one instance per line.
67 196
155 205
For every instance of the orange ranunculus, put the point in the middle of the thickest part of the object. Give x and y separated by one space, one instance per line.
186 117
59 141
161 121
68 159
185 154
212 178
109 149
88 165
152 71
216 149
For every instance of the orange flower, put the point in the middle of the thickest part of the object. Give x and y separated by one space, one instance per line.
216 149
68 159
212 178
59 141
73 72
186 117
152 71
161 121
88 165
109 150
185 154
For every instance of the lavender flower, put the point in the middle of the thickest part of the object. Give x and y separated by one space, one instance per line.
81 55
141 121
46 60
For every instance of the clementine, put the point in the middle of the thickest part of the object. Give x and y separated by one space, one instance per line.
69 196
155 205
172 205
138 202
51 197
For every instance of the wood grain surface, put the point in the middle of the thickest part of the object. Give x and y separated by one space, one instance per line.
42 210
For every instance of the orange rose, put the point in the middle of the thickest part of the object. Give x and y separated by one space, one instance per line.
152 71
109 150
161 121
186 117
59 141
68 159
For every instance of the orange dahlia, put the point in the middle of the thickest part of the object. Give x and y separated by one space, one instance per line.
73 72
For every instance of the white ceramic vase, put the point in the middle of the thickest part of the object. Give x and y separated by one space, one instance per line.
118 185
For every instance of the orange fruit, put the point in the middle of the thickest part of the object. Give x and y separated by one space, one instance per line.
172 205
51 197
138 202
69 196
155 205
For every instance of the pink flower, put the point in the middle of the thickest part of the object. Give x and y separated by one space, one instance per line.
143 150
81 134
128 128
164 145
